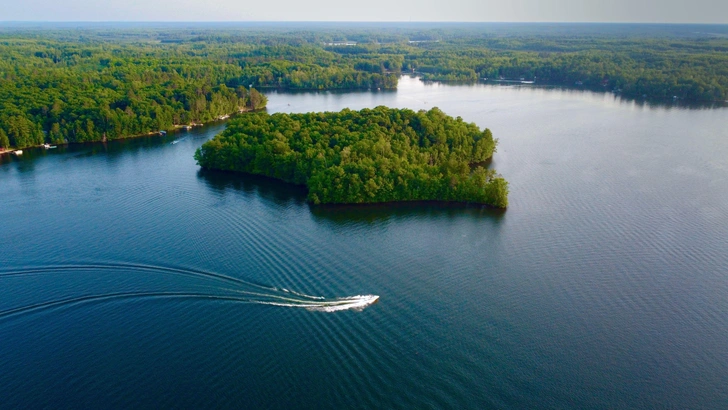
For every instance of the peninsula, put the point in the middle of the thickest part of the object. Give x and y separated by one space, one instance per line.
373 155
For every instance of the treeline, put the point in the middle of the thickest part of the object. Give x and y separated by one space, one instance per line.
89 84
655 61
372 155
301 76
646 68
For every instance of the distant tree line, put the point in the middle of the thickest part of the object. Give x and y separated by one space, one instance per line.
89 84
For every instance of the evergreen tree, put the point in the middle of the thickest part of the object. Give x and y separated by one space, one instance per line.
4 141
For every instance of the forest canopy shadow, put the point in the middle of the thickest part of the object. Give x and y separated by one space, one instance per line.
270 189
282 193
372 214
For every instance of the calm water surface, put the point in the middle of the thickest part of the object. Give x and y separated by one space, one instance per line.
130 278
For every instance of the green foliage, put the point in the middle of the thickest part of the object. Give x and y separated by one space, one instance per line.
22 132
83 85
256 100
312 76
372 155
4 141
648 67
61 92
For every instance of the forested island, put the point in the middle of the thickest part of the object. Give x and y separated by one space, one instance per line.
373 155
97 82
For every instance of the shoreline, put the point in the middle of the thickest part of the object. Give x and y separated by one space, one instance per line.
667 101
149 134
568 86
343 205
174 127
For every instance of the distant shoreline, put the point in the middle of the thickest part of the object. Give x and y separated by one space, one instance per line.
175 127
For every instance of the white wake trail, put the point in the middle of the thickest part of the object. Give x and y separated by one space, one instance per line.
319 304
358 302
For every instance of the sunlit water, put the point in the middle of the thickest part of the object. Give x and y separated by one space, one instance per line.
129 278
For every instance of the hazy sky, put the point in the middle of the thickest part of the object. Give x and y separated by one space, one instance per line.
652 11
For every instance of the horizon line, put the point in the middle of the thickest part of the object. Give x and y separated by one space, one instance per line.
346 22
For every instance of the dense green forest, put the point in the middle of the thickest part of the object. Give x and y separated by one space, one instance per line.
86 83
372 155
72 92
655 68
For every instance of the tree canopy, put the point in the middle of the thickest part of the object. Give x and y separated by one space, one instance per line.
373 155
59 92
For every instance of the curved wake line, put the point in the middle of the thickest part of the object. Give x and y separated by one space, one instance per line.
300 294
255 293
148 268
354 302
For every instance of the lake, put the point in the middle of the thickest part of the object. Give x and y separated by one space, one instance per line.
131 278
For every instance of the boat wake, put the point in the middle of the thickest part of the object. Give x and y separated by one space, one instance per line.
234 290
353 302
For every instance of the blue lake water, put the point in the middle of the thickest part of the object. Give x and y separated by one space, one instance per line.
131 278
